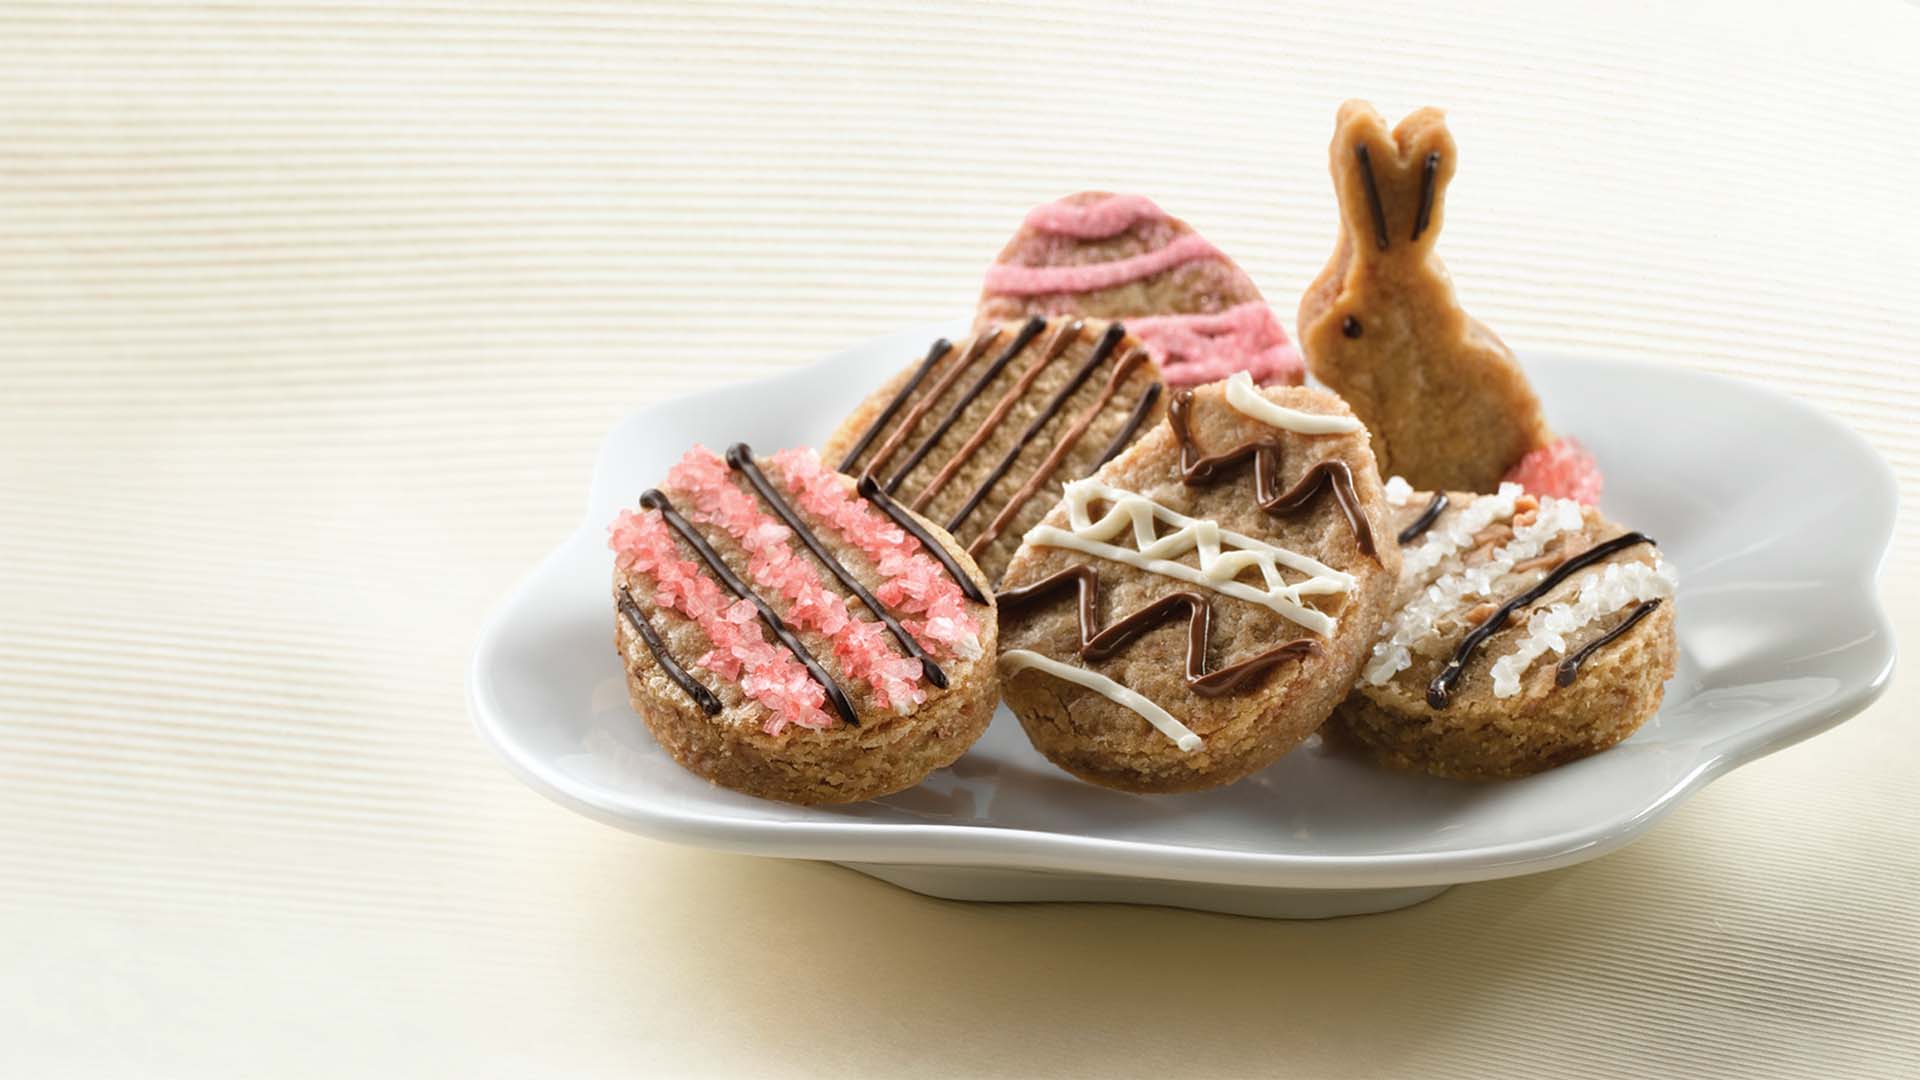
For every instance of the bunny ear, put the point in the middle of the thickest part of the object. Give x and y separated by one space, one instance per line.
1391 186
1429 157
1360 146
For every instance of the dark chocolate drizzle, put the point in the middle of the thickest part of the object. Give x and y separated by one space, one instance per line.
1099 643
934 354
1373 196
701 696
1334 475
1100 352
1570 667
1061 448
1427 175
1425 521
1067 334
975 350
869 489
1020 341
1331 474
654 499
1440 690
740 457
1134 419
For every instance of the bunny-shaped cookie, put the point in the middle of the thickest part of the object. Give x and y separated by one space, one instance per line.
1447 405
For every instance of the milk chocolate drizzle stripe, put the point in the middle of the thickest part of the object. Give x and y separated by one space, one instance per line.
654 499
1019 343
1134 419
870 490
975 350
1099 643
1441 688
740 457
701 696
934 354
1115 332
1068 333
1062 447
1373 196
1426 194
1331 474
1426 519
1570 667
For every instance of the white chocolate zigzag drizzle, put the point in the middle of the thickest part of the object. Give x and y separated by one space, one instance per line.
1219 565
1223 555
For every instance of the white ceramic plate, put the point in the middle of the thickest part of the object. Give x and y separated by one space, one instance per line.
1776 517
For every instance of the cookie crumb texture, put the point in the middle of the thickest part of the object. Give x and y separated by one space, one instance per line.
981 434
751 712
1122 257
1215 528
1577 668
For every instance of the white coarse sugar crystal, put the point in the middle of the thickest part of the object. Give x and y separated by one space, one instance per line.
1457 532
1398 490
1421 618
1600 593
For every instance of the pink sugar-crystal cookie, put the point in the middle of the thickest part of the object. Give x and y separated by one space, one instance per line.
793 637
1563 469
1122 257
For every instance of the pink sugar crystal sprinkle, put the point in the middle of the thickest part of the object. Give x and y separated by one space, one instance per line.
776 566
914 581
1562 469
767 673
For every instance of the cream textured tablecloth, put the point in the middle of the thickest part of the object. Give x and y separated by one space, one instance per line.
311 317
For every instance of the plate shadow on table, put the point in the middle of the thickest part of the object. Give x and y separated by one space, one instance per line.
981 988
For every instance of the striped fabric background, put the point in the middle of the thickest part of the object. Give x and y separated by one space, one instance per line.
312 314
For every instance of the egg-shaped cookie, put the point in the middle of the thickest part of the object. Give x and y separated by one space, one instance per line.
1122 257
1197 607
1526 633
791 635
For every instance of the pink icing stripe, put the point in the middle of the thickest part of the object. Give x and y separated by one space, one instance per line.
777 568
1194 349
1109 217
915 582
1011 280
766 672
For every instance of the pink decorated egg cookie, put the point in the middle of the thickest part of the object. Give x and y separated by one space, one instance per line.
1122 257
793 636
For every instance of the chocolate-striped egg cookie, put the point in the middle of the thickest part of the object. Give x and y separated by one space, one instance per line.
1526 632
1122 257
981 434
793 637
1197 607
